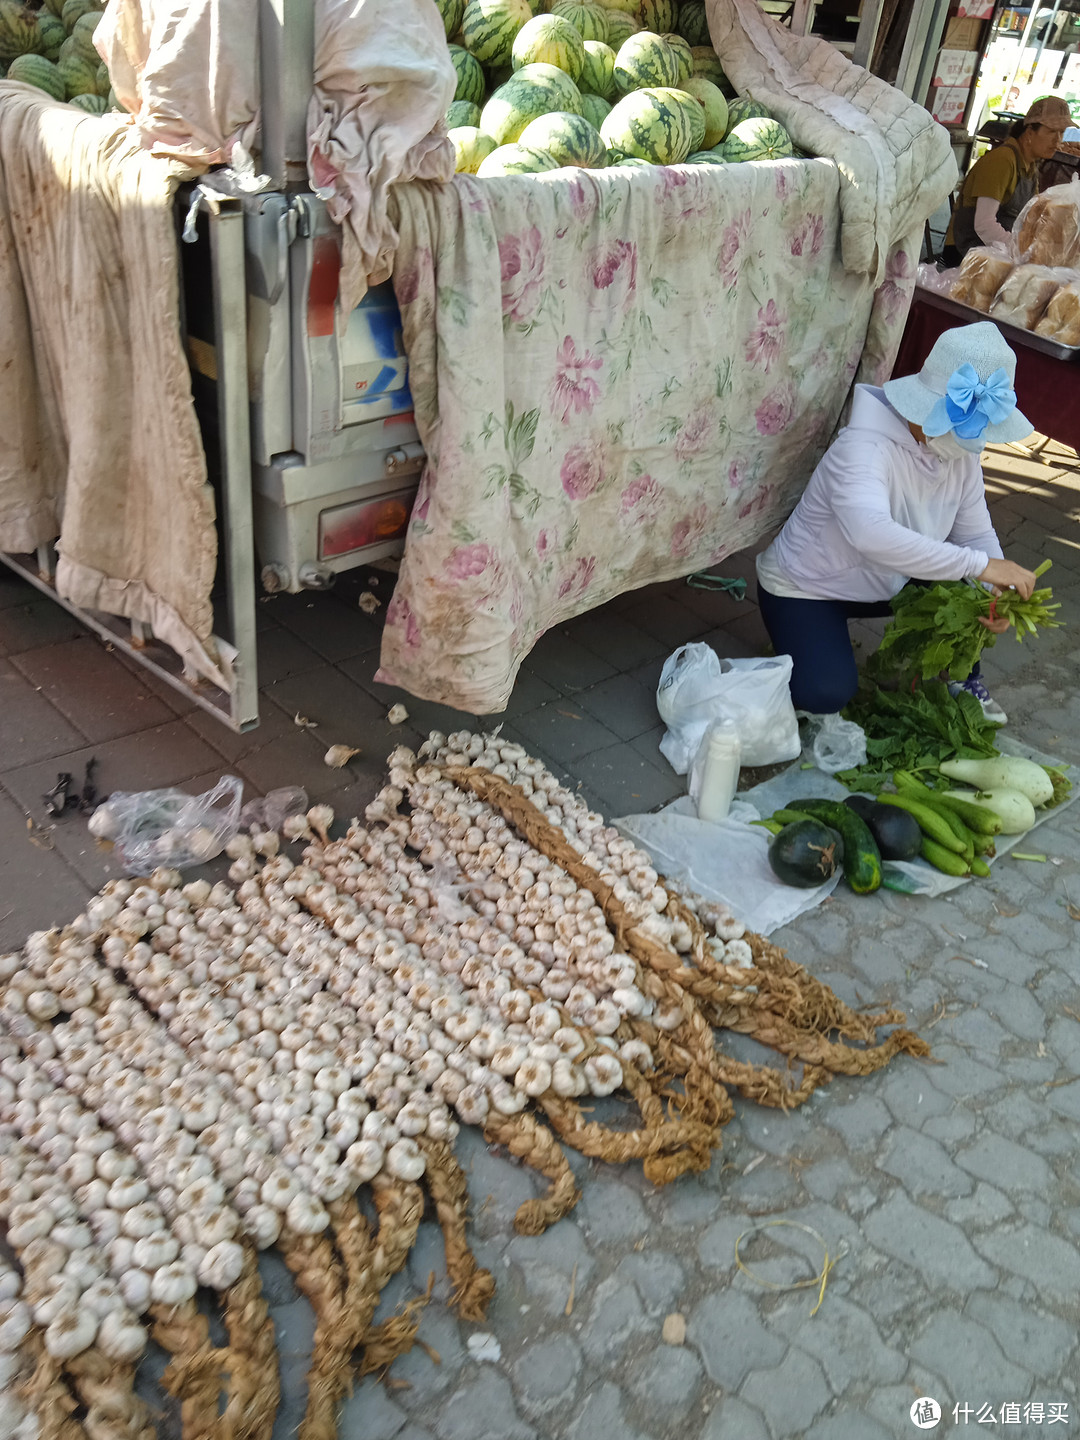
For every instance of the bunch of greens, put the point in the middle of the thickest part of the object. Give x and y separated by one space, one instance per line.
915 729
936 628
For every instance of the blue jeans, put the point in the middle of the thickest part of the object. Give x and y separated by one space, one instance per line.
814 633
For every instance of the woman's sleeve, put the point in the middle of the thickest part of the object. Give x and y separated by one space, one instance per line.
973 527
986 221
860 503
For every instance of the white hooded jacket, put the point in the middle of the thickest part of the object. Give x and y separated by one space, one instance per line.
880 509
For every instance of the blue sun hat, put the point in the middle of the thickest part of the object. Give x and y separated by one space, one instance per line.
965 388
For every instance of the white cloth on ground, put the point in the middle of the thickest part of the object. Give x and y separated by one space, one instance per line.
880 509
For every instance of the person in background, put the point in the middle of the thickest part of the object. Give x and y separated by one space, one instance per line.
898 495
999 185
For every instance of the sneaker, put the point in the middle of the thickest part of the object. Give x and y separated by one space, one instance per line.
974 686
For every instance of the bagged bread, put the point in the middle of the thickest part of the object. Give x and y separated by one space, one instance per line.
1061 320
1024 296
982 273
1047 230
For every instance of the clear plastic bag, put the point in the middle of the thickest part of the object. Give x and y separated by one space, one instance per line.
697 687
941 282
270 811
837 744
1047 230
983 271
166 827
1024 296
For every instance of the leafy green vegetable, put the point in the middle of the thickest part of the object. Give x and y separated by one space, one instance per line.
915 729
1061 783
936 628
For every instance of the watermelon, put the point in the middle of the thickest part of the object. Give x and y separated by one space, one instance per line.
654 124
745 108
643 62
53 35
533 90
714 107
92 104
707 65
595 108
547 40
79 75
19 31
462 112
489 27
569 139
471 148
470 75
104 84
452 12
588 19
695 116
55 8
620 27
81 38
758 138
693 23
625 162
36 70
683 54
706 157
74 10
657 15
619 7
598 71
516 160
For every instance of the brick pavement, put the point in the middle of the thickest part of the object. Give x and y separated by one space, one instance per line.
950 1192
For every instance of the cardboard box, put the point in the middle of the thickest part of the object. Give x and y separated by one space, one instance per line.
975 9
954 67
963 34
948 103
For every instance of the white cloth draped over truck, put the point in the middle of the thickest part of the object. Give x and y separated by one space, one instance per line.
671 354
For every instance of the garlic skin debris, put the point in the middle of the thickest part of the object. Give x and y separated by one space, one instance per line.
339 755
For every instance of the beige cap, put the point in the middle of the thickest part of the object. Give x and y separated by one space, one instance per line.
1050 111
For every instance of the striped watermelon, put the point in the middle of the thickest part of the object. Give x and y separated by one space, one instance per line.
621 7
489 27
758 138
74 9
92 104
589 20
707 157
81 38
693 23
707 65
54 7
657 15
516 160
569 139
595 108
653 124
534 90
548 40
470 75
695 116
78 74
714 107
53 35
104 83
644 62
462 112
683 54
452 12
745 108
19 31
471 148
620 27
629 162
36 70
598 71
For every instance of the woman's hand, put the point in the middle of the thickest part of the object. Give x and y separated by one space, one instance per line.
1005 575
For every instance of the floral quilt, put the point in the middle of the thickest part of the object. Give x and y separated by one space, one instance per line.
619 377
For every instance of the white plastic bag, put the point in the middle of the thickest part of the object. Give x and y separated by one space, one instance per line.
167 827
697 687
837 744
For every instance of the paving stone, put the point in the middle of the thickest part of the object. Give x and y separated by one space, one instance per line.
688 1204
959 1075
483 1409
37 622
665 1387
546 1375
33 727
659 1279
566 664
425 1380
370 1412
602 1414
1019 1012
660 614
791 1396
1066 1100
88 685
1009 1166
986 1206
625 707
328 624
860 1121
950 1129
626 784
969 1356
938 1250
529 692
731 1340
1039 1342
616 640
1052 1264
616 1316
716 1247
733 1419
549 1261
848 1426
279 654
844 1338
564 730
921 1164
39 888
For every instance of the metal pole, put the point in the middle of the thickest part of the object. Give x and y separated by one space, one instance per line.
230 331
286 70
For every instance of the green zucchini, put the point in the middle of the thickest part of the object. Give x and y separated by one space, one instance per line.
941 859
931 822
978 866
862 859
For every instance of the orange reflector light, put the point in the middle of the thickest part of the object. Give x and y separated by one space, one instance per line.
351 527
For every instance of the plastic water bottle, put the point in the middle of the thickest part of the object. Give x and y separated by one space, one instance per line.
720 772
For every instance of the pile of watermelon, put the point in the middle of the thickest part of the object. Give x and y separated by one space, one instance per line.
53 48
595 83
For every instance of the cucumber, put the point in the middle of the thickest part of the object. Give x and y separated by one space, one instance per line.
978 866
931 822
959 829
975 817
862 859
942 859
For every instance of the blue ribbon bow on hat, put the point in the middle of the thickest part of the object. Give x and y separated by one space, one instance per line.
970 404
